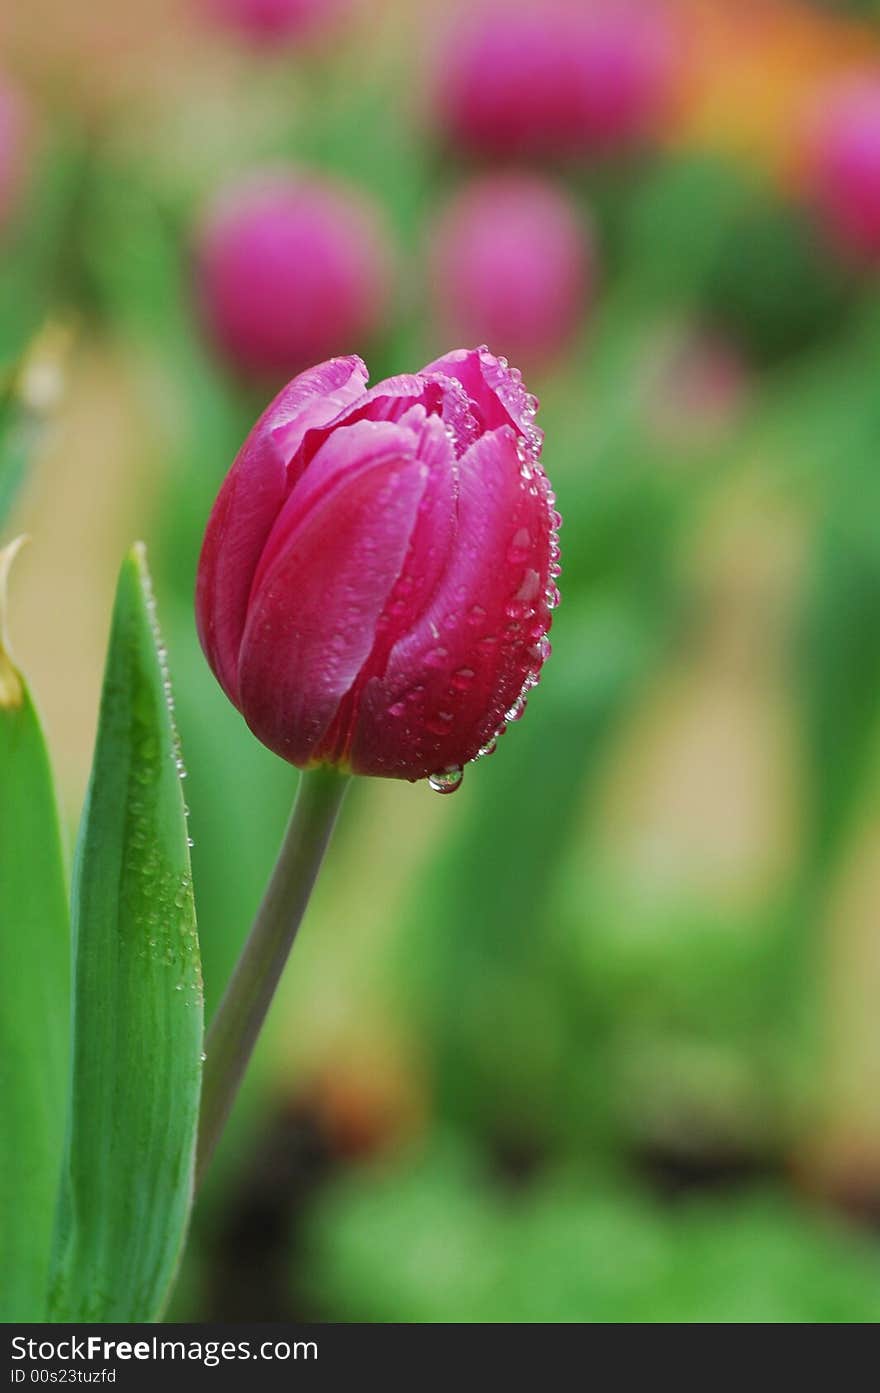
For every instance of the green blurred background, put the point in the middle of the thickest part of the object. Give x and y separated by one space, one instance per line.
596 1039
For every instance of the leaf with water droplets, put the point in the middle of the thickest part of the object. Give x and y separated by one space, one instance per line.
126 1185
34 990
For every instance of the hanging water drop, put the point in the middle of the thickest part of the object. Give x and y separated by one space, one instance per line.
447 780
517 710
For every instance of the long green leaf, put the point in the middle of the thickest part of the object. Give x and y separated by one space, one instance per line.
34 997
126 1186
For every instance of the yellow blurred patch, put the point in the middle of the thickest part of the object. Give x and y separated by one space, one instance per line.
752 72
11 691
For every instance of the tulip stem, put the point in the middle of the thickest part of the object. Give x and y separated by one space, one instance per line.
249 994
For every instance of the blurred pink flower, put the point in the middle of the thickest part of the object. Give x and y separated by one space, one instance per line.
266 22
512 264
843 165
696 386
288 269
13 139
556 77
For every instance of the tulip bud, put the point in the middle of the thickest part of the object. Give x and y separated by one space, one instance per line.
556 77
267 22
378 573
843 167
13 133
286 268
512 264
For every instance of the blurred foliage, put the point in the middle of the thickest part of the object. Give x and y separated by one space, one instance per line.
455 1248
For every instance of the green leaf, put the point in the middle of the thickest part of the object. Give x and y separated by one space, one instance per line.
126 1187
34 991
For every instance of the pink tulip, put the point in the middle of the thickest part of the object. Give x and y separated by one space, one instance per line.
13 137
843 166
556 77
378 572
512 264
287 268
267 22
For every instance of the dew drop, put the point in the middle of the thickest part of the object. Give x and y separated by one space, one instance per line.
520 547
447 780
517 710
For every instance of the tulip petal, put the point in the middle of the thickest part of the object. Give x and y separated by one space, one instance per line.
345 451
391 399
450 680
423 567
323 582
496 392
432 536
249 501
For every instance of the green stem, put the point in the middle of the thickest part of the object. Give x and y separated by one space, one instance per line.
241 1013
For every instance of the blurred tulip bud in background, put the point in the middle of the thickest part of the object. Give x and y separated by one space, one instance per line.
843 166
378 572
696 387
513 264
288 269
556 77
13 140
270 22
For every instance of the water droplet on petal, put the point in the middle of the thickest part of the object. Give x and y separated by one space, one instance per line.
520 547
517 710
447 780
